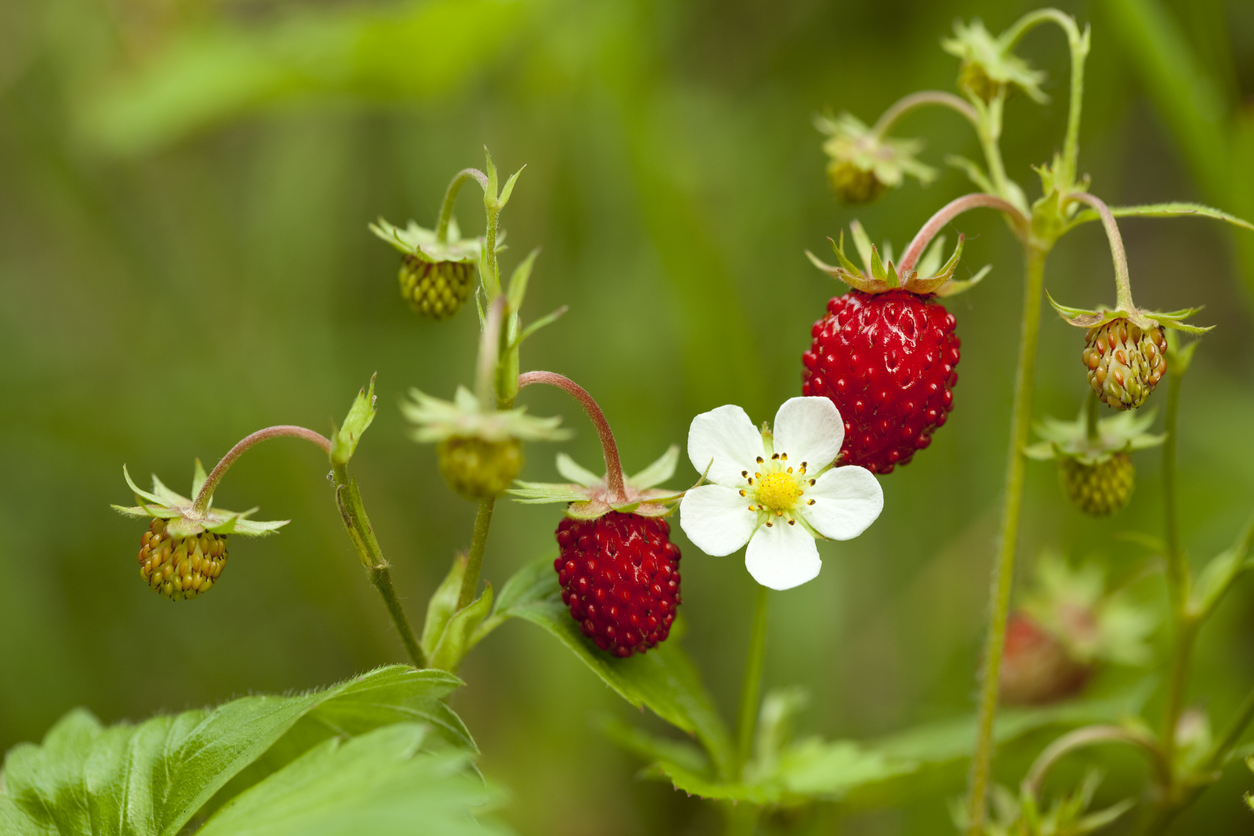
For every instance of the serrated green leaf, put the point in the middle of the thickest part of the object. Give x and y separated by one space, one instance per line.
381 783
360 416
664 679
658 472
151 779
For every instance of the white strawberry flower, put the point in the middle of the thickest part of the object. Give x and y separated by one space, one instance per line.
777 491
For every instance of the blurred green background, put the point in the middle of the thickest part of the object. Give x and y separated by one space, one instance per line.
184 192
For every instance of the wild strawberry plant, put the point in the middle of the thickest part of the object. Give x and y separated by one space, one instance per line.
385 751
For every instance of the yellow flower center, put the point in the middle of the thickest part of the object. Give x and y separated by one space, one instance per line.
778 491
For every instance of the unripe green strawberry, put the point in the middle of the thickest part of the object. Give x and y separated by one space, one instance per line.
1125 362
1098 489
478 468
180 567
436 289
854 185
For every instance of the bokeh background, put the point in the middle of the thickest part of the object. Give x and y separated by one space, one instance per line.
184 192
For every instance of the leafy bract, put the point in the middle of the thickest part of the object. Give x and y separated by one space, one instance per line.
664 679
151 779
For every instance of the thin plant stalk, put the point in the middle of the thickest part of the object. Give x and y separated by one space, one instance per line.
751 688
1003 567
1088 736
450 198
977 200
478 545
921 99
201 501
1123 282
1178 577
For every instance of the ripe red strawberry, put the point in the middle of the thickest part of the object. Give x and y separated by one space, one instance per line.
1037 667
620 577
887 361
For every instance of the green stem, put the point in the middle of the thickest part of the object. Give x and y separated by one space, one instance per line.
450 197
1090 418
752 686
1214 760
361 532
1178 578
1123 282
201 502
478 544
1079 46
916 100
1089 736
1003 568
989 131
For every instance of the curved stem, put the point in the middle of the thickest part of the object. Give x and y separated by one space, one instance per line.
1088 736
1123 283
951 210
751 688
614 482
916 100
450 197
1079 47
1003 567
201 502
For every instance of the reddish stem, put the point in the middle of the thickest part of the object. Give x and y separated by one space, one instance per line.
950 211
613 467
215 476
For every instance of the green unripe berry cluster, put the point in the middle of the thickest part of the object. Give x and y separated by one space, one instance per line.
1098 489
477 468
435 289
180 567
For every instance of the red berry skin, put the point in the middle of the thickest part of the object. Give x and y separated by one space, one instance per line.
887 361
620 577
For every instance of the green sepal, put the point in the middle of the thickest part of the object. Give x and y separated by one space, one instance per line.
199 477
509 186
954 286
437 419
139 494
535 326
163 503
1085 318
930 263
658 472
572 470
423 244
442 605
975 45
519 279
360 415
862 243
1124 432
542 493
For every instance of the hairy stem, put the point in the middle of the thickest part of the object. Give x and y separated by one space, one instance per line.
1088 736
751 688
1003 567
951 210
921 99
1178 578
614 482
478 545
450 197
1123 283
1079 47
361 532
201 502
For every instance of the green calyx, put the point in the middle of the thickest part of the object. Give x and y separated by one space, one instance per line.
989 69
588 494
425 244
1146 320
862 164
183 520
1075 604
1122 433
878 274
436 420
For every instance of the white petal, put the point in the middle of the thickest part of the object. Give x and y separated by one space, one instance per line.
809 430
716 519
846 501
782 556
728 437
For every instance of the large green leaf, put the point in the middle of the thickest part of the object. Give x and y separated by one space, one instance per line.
381 783
663 679
152 778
